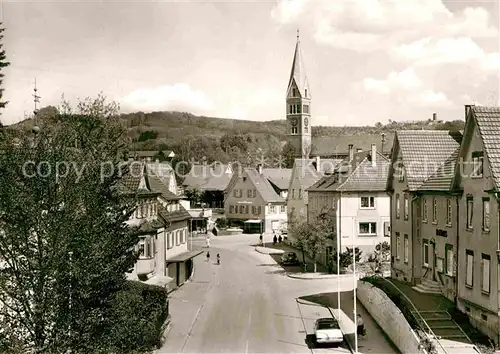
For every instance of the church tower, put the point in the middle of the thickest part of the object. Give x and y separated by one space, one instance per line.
298 106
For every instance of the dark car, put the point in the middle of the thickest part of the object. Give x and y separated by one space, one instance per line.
290 258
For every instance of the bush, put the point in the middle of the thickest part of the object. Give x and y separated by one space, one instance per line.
137 319
222 223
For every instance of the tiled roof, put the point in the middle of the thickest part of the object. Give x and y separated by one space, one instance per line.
280 177
132 177
157 185
173 216
442 178
149 227
308 174
424 151
332 146
488 122
356 175
263 186
208 177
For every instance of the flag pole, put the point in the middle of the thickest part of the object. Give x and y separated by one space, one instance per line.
339 233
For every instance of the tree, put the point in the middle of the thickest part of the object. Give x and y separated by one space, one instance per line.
310 239
3 64
383 252
64 241
194 195
300 232
289 153
346 258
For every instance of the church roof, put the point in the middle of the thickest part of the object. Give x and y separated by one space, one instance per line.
298 72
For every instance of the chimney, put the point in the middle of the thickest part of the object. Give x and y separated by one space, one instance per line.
374 155
434 117
351 152
317 164
259 169
467 109
359 150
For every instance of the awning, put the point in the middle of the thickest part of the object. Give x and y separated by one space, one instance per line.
159 280
253 221
184 256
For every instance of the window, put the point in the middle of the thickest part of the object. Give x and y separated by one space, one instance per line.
254 210
272 209
434 210
231 209
300 193
477 164
170 242
283 209
259 210
470 212
439 264
290 109
449 260
424 209
398 245
367 202
249 193
295 130
142 248
367 228
426 253
485 273
299 108
242 209
177 237
306 108
469 266
406 207
294 92
449 212
254 193
398 206
293 193
401 173
486 214
406 245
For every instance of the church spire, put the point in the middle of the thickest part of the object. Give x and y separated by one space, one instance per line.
298 72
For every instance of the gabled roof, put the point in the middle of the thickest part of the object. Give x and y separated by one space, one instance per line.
134 180
356 175
298 72
423 152
338 145
442 178
173 216
158 185
263 186
208 177
280 177
488 123
306 172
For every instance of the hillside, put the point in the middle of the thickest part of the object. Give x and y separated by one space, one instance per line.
194 137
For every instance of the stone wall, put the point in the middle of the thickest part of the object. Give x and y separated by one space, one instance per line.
388 317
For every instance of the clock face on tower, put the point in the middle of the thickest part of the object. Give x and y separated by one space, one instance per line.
294 121
306 122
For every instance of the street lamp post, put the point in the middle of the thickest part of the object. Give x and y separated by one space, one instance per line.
339 233
355 299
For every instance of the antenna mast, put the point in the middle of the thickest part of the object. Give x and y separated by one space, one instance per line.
36 99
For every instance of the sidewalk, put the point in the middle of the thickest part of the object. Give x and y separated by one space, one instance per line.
375 340
185 304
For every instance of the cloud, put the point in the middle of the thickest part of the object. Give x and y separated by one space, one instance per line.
180 97
374 25
406 80
408 86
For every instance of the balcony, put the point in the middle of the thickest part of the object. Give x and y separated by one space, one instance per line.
145 265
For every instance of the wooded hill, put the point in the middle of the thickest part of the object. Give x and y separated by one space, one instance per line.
194 137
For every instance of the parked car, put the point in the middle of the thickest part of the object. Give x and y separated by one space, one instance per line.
327 330
290 258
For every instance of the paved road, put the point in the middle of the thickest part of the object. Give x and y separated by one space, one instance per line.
245 305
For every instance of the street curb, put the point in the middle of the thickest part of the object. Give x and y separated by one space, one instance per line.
309 276
268 251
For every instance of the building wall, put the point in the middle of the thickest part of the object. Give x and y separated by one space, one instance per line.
297 198
243 184
351 215
436 237
278 217
480 306
401 269
320 202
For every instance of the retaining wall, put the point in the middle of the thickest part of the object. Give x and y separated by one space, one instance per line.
389 318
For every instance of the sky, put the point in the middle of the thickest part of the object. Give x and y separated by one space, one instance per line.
367 61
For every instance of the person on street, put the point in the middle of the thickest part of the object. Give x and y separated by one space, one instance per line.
280 239
275 239
218 258
260 239
361 327
208 256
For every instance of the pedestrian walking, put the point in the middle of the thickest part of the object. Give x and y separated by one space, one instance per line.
361 331
275 239
208 256
260 239
280 239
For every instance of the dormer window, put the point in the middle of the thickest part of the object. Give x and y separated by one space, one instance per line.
295 130
294 92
